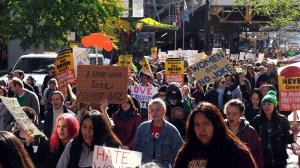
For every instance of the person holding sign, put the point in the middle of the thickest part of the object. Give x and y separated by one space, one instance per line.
157 139
209 142
274 132
94 130
13 154
126 120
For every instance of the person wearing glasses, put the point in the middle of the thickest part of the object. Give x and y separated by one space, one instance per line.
221 91
50 75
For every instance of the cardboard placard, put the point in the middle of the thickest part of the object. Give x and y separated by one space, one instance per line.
106 157
20 116
211 68
95 82
125 60
143 94
289 87
64 69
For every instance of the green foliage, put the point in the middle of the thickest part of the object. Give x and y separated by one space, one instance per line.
47 22
282 12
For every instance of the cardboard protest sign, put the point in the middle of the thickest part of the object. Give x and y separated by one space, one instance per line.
211 68
289 87
143 94
19 115
64 69
95 82
106 157
174 70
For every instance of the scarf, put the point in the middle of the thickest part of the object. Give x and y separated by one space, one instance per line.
220 97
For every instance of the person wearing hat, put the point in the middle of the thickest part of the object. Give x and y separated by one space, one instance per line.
274 131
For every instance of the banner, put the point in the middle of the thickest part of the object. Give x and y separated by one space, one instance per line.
64 69
96 82
143 94
174 70
211 68
289 87
105 157
20 116
137 8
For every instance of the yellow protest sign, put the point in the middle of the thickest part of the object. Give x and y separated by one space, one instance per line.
64 69
289 87
125 60
146 67
174 70
211 68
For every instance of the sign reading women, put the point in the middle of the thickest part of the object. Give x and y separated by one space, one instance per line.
210 68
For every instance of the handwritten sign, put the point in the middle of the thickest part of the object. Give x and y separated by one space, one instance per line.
209 69
289 87
106 157
20 116
174 70
64 69
143 94
96 82
154 52
146 67
81 56
163 57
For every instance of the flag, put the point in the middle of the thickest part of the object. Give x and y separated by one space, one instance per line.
185 14
178 19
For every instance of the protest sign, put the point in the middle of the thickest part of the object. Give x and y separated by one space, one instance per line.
209 69
154 52
20 116
174 70
242 56
125 60
64 69
81 56
162 57
105 157
289 87
216 50
146 67
287 61
142 94
261 57
95 82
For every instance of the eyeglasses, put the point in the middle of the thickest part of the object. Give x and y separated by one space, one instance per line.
223 82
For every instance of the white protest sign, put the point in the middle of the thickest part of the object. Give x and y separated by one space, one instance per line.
261 57
162 57
215 50
242 56
81 56
211 68
106 157
142 94
15 109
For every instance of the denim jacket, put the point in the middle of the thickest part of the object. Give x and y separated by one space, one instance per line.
165 147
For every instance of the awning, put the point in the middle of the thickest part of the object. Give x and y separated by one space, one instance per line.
151 25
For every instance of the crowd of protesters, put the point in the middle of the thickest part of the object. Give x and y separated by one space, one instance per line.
233 122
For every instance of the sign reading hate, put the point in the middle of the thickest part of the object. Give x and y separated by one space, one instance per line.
19 115
211 68
105 157
96 82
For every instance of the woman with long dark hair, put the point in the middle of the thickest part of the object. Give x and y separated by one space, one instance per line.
127 121
209 143
274 132
13 154
79 152
254 104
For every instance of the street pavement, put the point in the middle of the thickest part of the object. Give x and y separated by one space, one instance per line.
292 160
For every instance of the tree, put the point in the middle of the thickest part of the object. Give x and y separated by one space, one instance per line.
47 22
282 12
